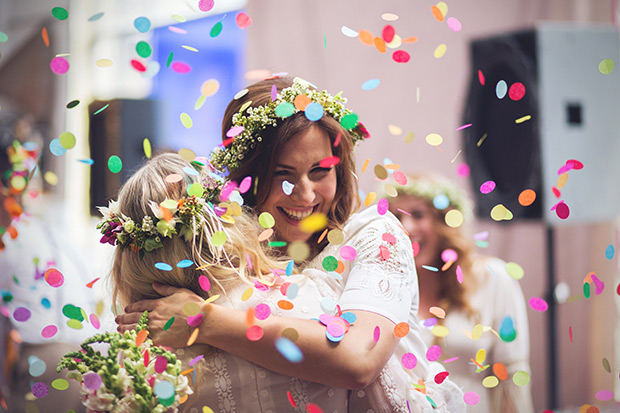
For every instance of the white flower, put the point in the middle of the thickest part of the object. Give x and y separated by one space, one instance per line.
111 211
99 400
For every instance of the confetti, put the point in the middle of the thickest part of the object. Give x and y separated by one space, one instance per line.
142 24
606 66
59 65
471 398
60 384
433 353
60 13
487 187
538 304
266 220
383 206
289 350
500 89
243 20
514 270
254 333
376 334
163 266
401 329
454 24
49 331
527 197
401 56
516 91
206 5
39 390
610 252
21 314
440 51
370 84
115 164
523 119
434 139
409 360
521 378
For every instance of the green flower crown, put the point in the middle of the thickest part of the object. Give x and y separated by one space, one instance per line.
429 188
171 217
245 129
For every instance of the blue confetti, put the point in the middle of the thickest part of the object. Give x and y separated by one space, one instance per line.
289 268
609 252
349 317
163 266
333 339
190 171
441 201
430 268
95 17
185 263
371 84
142 24
164 389
507 330
289 350
88 161
46 303
56 148
314 111
500 89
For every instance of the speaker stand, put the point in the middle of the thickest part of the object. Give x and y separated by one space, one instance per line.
552 356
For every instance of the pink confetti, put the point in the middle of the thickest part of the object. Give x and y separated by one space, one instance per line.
459 274
471 398
409 360
415 245
538 304
195 320
92 381
178 30
274 93
487 187
600 285
245 185
181 67
384 252
389 238
400 177
54 277
604 395
329 162
348 253
516 91
234 131
243 20
335 329
262 311
433 353
206 5
450 360
196 359
59 65
94 320
160 364
383 206
204 283
49 331
464 126
400 56
449 255
481 77
376 334
463 170
454 24
575 164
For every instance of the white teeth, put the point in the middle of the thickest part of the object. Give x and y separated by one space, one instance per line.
297 215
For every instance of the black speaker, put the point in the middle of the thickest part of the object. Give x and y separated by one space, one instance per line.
569 111
120 130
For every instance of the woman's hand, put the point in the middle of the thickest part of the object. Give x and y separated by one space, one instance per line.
161 310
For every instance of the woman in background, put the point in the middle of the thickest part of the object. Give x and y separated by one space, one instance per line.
475 292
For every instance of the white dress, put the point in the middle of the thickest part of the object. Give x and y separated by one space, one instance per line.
228 383
496 296
382 279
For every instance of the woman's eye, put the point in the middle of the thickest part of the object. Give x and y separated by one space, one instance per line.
321 170
281 173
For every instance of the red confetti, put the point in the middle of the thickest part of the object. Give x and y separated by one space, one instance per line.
570 331
516 91
227 142
556 192
562 210
416 248
337 140
400 56
290 399
618 289
440 377
575 164
329 162
389 238
147 358
313 408
481 77
385 253
388 33
138 65
243 20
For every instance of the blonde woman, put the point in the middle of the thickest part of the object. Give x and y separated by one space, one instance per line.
155 222
471 289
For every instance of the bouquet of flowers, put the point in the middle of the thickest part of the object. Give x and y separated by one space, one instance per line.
134 376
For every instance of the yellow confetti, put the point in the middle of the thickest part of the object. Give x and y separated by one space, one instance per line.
298 250
49 176
443 7
381 172
206 409
562 180
434 139
440 51
523 119
218 238
490 382
247 294
514 270
454 218
191 308
192 338
395 130
370 198
477 332
390 190
396 42
146 145
178 18
104 63
313 223
187 154
440 331
481 355
409 137
186 120
266 220
201 101
212 298
500 212
190 48
365 165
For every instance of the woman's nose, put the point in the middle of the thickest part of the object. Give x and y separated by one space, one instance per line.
303 192
408 223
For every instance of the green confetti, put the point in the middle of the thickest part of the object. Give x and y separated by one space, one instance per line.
67 140
216 29
197 190
73 104
101 110
201 100
60 13
521 378
330 263
606 66
115 164
218 238
277 244
73 312
606 365
168 324
285 109
169 61
586 290
3 37
143 49
349 121
60 384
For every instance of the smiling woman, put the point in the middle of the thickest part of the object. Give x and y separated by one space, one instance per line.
296 145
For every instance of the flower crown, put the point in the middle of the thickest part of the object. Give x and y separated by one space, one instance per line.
429 188
244 133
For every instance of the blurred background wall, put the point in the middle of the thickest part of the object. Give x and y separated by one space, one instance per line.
306 38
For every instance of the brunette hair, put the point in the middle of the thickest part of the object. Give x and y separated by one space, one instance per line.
259 163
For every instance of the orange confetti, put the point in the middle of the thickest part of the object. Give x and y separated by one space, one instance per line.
477 364
45 37
249 316
323 234
301 101
183 373
380 44
192 337
401 330
411 39
265 235
12 231
285 305
185 396
437 13
340 268
141 336
527 197
90 284
366 37
500 371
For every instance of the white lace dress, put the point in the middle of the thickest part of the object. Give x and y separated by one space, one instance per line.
382 279
229 384
496 296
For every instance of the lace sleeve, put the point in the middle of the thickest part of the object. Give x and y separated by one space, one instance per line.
383 278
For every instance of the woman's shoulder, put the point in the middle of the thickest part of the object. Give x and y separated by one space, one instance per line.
371 218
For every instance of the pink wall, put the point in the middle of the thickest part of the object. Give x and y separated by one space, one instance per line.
304 39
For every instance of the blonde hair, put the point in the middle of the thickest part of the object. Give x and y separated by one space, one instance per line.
240 259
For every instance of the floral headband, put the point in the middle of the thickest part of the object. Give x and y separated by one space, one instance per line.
244 133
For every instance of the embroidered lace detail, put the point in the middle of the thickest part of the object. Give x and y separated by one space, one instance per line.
368 244
299 392
222 383
390 388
